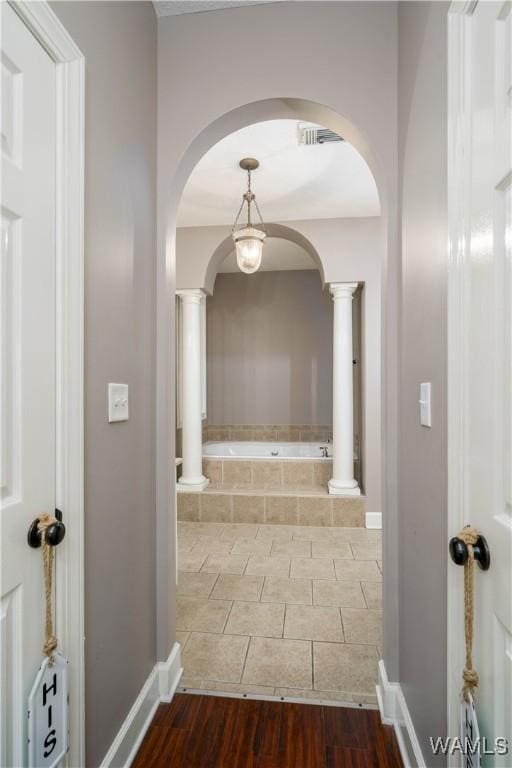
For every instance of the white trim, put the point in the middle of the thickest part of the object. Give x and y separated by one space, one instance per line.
159 687
459 216
70 90
394 711
373 520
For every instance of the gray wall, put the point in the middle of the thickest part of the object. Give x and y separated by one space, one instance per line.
119 43
423 456
269 349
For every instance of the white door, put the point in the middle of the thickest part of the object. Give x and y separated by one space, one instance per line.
28 362
480 350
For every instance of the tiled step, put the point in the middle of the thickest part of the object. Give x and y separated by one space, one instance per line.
235 505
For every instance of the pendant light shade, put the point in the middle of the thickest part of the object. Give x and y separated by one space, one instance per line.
249 239
249 248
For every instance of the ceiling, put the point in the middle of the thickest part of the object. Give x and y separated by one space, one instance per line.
278 255
293 182
178 7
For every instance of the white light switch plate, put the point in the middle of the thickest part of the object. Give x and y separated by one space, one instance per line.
118 402
426 404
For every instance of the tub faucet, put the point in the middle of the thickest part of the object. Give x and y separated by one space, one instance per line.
325 451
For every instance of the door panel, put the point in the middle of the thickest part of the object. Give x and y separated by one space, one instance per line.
481 217
28 361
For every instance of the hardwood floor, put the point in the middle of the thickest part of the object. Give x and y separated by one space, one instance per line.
197 731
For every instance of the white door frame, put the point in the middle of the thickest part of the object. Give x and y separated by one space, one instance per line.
69 588
459 217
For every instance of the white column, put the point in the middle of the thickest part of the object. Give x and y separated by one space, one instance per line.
192 478
343 481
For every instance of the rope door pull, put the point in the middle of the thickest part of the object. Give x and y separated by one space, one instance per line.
465 548
47 532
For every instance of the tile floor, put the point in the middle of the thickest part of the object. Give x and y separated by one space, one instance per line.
280 610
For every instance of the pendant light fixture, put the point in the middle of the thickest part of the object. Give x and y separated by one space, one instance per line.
248 239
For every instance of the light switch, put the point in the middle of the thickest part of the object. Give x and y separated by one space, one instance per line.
118 402
425 404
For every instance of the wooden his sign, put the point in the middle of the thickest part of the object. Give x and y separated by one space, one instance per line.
48 715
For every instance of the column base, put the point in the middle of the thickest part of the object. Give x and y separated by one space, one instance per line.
192 484
349 488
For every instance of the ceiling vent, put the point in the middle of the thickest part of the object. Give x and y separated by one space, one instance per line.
309 135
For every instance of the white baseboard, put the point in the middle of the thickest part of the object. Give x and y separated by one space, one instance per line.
394 711
159 687
374 519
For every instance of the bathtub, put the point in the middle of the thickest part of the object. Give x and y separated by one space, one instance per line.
266 450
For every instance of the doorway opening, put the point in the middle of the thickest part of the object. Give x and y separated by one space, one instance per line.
278 376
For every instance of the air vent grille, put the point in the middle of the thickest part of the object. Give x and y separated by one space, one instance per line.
310 135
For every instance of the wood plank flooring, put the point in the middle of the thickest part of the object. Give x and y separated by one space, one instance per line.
196 731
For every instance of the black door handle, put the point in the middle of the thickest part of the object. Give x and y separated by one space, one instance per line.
481 552
53 535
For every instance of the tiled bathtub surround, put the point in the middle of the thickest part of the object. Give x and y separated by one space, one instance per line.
309 433
280 610
253 506
303 474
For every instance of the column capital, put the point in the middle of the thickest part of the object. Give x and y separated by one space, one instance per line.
191 295
342 290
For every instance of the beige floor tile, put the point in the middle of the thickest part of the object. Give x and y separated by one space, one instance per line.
276 532
231 587
182 637
185 543
360 570
343 667
293 548
251 547
308 622
283 663
283 590
212 545
260 565
332 549
366 551
362 626
206 529
215 657
240 531
312 533
256 619
190 681
308 568
195 584
373 594
198 615
357 535
225 564
340 593
254 690
190 561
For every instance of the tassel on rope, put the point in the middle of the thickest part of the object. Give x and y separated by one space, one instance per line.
469 536
50 642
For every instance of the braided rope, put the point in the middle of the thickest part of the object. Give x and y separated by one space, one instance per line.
469 536
51 642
